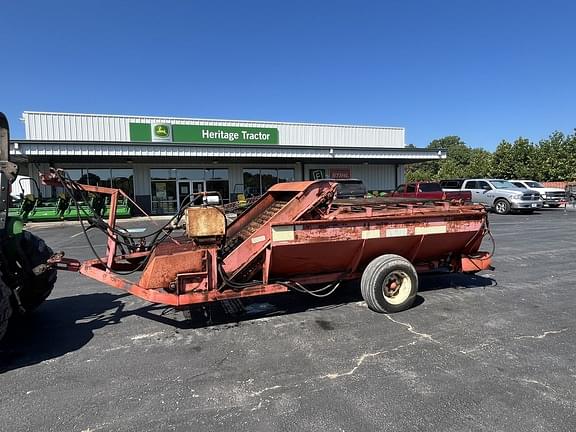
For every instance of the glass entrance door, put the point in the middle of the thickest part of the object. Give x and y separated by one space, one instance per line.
184 191
188 187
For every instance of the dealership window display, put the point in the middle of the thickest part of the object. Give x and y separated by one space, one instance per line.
171 188
217 180
163 190
120 178
259 180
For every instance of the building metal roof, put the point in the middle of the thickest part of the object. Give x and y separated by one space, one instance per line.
52 126
247 122
52 136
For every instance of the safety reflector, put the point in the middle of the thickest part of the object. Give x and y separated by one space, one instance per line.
435 229
396 232
282 233
371 234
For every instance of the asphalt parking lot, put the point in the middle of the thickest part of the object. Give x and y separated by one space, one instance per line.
493 352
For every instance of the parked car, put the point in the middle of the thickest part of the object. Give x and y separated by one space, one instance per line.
429 190
349 188
498 195
552 197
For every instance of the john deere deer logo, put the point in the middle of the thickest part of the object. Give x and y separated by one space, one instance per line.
161 131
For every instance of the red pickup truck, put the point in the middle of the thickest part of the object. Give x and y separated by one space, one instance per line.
429 190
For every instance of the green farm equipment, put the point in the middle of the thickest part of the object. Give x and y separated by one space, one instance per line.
26 278
30 206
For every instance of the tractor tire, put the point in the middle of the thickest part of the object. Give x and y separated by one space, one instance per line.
389 284
5 307
37 288
502 207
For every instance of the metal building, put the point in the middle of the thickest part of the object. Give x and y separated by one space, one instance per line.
160 160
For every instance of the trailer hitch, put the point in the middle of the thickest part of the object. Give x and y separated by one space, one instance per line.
58 262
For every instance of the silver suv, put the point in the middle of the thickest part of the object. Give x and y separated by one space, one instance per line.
501 196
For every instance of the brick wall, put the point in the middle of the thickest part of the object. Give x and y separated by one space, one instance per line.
558 184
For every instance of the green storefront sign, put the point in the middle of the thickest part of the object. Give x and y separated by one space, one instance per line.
204 134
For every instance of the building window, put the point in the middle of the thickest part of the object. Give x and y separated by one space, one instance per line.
96 177
123 178
251 182
285 175
190 174
171 188
217 180
74 174
119 178
259 180
163 189
268 178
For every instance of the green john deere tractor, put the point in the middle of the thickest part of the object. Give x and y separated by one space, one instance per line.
26 279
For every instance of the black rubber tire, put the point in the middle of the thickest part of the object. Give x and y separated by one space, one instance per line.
5 307
37 288
374 277
501 206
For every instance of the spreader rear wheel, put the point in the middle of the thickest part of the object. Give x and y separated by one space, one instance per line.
389 284
5 307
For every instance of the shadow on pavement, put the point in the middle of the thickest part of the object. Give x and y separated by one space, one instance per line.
66 324
437 281
234 312
59 326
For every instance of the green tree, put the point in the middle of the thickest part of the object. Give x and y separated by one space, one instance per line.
458 155
503 161
457 149
552 159
479 165
525 159
517 160
556 157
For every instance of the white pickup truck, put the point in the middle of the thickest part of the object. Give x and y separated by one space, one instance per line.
552 197
501 196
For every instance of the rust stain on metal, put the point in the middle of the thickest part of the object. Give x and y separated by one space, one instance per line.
168 260
205 222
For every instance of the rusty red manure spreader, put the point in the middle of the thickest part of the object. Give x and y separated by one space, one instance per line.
296 237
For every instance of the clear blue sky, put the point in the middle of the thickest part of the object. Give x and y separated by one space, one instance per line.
483 70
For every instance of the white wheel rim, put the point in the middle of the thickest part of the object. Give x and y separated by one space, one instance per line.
500 207
397 287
